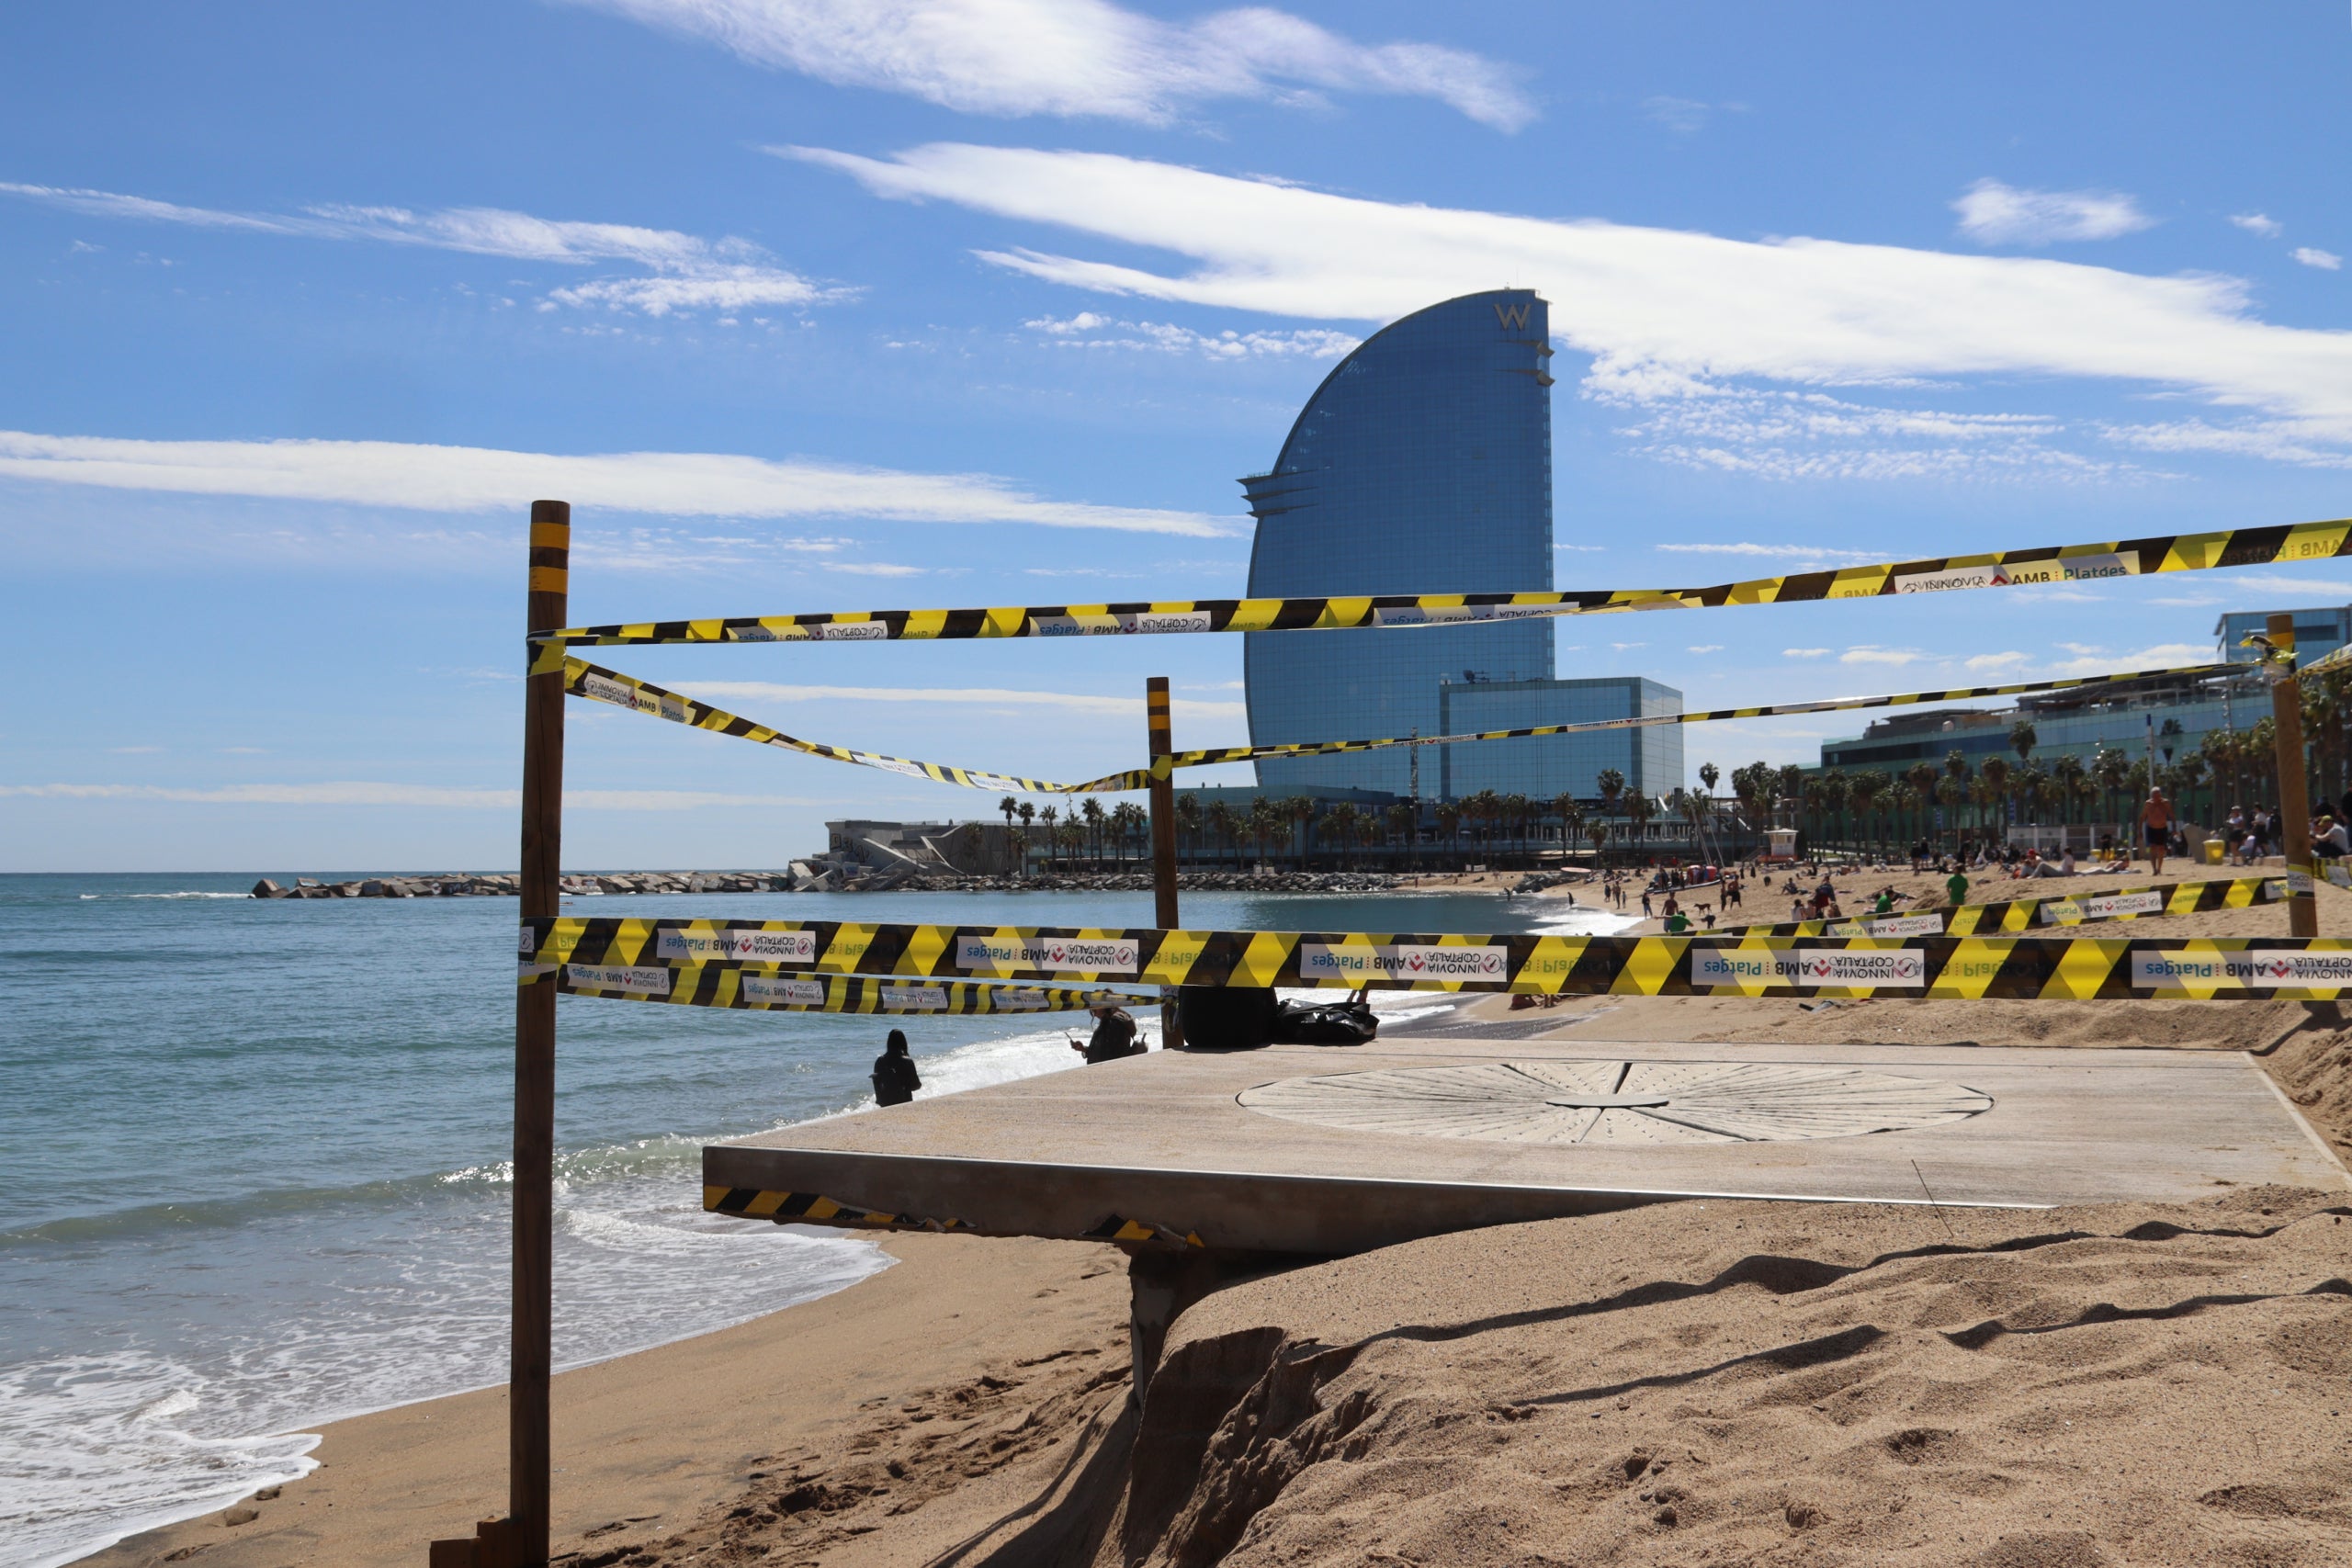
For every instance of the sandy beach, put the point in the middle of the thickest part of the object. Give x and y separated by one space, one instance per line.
1692 1382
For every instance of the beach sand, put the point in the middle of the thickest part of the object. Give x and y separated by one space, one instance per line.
1719 1383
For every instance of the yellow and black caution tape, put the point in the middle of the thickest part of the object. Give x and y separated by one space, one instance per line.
811 1208
723 986
2049 909
2072 969
2277 546
600 684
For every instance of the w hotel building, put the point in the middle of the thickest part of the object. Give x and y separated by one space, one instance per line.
1423 465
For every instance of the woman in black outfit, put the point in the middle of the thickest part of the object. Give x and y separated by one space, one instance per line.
895 1079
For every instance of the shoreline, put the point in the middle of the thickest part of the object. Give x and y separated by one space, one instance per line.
942 1316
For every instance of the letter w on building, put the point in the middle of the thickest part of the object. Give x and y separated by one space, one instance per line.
1512 316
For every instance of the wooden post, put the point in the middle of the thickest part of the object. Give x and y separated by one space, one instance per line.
528 1459
1163 836
2294 787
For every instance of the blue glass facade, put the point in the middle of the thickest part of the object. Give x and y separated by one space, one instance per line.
1422 465
1542 767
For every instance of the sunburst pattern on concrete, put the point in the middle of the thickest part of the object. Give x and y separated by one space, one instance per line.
1619 1103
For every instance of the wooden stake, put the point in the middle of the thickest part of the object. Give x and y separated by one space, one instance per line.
2294 787
528 1459
1163 835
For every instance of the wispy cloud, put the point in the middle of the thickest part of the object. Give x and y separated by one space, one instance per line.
1868 654
961 697
474 478
1805 653
1786 434
690 273
2310 255
1705 647
1680 115
2160 656
1663 314
1080 57
2258 223
1766 552
1996 663
1998 214
1088 330
362 793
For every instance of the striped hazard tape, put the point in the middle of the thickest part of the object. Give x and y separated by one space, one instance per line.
811 1208
2025 914
2077 968
598 683
724 985
2277 546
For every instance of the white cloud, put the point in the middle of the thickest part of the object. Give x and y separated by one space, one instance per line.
1770 552
1867 654
474 478
877 569
1705 647
360 793
1996 663
2309 591
1805 653
690 273
1086 330
1584 549
1812 435
1624 647
2310 255
1998 214
1665 314
1683 114
2304 441
2082 648
2257 224
1080 57
999 696
2162 655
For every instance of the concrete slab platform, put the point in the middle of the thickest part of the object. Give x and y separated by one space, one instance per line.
1169 1143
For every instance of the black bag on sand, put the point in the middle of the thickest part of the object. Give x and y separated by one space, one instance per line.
1226 1017
1324 1024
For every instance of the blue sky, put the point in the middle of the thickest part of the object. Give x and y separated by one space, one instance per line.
814 305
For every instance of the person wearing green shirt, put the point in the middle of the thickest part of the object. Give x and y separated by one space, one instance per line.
1957 886
1676 923
1886 905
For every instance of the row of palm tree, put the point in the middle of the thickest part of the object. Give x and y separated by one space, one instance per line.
1487 825
1977 798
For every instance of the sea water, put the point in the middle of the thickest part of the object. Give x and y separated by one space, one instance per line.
253 1158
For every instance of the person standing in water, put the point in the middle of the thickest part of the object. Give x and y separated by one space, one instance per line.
895 1079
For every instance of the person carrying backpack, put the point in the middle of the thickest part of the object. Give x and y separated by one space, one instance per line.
1113 1037
895 1079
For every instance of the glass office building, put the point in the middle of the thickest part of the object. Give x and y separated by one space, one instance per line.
1542 767
1422 465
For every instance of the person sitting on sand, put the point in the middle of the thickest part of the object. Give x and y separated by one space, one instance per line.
1114 1036
895 1079
1677 922
2329 839
1885 903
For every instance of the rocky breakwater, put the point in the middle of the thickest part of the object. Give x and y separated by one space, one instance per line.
464 884
1140 882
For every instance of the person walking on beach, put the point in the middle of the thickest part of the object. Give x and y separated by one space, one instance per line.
895 1079
1114 1036
2155 827
1957 886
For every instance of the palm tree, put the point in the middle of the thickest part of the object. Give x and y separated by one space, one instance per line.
1598 831
2067 779
2022 740
1865 789
1708 775
2112 769
1570 812
1612 785
1401 824
1226 823
1341 819
1053 834
1993 773
1639 809
1188 821
1448 822
1301 809
1008 805
1265 817
1092 810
